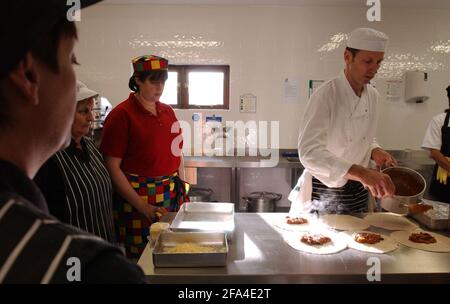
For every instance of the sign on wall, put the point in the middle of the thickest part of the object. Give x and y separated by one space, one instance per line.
247 103
314 85
291 89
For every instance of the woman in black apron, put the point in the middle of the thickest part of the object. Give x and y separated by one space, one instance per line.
440 180
440 185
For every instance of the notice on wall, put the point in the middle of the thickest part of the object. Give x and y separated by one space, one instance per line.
247 103
314 85
291 89
394 89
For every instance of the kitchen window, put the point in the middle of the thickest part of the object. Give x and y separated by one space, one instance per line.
197 87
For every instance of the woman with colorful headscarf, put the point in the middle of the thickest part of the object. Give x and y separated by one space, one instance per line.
143 155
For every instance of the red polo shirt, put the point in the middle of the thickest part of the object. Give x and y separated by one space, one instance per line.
143 141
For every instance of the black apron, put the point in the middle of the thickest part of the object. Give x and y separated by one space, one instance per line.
348 199
441 192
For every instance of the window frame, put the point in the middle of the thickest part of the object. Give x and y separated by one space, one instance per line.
183 85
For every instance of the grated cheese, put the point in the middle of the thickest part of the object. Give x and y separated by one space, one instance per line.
189 248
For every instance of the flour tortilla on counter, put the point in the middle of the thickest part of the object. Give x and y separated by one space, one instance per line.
442 243
384 246
281 223
390 221
343 222
338 243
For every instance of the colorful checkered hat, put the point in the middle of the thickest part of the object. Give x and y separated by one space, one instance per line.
148 63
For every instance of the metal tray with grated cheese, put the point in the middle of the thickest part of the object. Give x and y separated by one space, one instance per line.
190 249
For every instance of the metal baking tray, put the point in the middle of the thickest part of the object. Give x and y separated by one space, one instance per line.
203 217
215 240
436 218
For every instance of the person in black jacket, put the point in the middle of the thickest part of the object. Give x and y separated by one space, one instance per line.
75 181
37 91
437 142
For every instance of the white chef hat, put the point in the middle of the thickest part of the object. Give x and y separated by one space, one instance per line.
367 39
83 92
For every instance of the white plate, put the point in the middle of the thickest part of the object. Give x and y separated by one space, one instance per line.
390 221
280 222
337 244
442 243
388 244
343 222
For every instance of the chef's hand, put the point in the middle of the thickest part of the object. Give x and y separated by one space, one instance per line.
383 159
379 184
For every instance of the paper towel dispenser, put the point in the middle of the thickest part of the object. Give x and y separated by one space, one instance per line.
416 86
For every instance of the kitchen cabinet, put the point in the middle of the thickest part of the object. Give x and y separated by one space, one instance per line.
233 172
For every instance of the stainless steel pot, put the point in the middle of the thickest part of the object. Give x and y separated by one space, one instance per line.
200 195
410 186
261 201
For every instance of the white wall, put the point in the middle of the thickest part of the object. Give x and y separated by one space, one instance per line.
264 45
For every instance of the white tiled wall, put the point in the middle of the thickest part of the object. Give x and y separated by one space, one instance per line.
264 45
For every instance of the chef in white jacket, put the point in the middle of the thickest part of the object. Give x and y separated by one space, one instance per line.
337 136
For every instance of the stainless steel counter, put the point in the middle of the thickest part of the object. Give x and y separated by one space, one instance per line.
258 254
413 159
210 162
237 162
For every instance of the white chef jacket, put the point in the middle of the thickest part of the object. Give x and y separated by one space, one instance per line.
433 135
337 131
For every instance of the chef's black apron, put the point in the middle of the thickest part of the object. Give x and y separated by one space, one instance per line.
440 191
348 199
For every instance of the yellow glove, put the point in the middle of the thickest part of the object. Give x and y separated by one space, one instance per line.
442 174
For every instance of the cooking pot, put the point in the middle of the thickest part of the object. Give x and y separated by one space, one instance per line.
200 195
262 201
410 186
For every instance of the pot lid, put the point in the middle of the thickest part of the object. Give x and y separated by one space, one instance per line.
264 195
200 191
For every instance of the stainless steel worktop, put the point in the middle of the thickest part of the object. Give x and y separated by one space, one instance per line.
258 254
237 162
414 159
210 161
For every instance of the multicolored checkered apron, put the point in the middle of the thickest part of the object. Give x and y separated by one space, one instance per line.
133 227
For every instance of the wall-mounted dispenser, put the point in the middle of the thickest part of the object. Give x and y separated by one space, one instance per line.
416 86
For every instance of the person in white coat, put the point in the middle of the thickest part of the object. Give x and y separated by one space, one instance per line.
337 136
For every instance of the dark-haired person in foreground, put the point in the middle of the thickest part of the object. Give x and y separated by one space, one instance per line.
37 93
